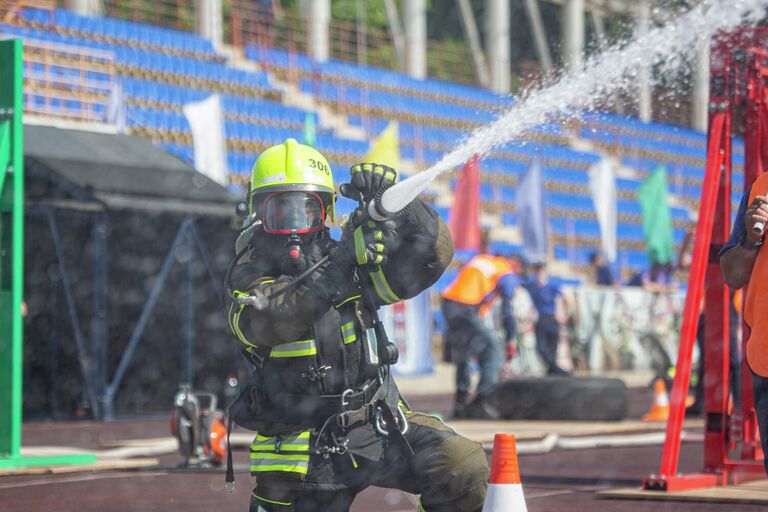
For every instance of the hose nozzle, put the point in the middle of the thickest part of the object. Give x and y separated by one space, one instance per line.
251 300
377 212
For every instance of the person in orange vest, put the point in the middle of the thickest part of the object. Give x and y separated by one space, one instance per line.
465 301
743 262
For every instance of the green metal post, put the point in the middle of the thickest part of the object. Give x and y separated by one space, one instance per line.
12 265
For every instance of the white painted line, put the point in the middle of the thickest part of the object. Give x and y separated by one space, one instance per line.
533 496
72 479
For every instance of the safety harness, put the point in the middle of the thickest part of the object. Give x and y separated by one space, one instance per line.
377 401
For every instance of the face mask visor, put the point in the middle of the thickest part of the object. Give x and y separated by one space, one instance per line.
293 212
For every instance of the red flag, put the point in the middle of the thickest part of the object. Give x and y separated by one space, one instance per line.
464 219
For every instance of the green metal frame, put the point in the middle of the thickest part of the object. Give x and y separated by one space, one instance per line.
12 266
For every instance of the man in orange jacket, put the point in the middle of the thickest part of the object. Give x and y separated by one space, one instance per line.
467 336
743 262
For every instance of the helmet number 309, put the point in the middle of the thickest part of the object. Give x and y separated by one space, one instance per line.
316 164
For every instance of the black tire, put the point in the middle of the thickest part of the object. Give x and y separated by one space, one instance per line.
555 398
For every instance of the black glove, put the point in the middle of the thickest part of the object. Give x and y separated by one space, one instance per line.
371 241
367 180
363 245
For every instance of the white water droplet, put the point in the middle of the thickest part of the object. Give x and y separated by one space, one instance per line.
667 47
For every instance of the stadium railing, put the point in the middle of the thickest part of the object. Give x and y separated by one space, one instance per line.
65 81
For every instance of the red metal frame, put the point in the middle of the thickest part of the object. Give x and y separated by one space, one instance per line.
739 71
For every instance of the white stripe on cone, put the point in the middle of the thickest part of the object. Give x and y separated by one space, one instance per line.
504 498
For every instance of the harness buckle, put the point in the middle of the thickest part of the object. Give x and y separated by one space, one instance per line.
349 418
381 425
347 392
339 447
316 373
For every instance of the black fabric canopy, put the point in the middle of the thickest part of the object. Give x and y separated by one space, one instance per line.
112 225
122 172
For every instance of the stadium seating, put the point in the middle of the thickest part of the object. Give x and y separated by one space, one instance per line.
161 70
120 31
374 78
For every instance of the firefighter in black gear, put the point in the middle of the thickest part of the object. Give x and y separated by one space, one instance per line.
330 420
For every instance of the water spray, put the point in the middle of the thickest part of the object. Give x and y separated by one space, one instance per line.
617 68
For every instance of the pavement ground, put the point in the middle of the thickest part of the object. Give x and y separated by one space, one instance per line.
560 479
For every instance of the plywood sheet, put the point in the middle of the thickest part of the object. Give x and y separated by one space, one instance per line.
748 493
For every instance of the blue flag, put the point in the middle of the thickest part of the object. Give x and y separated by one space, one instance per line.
531 213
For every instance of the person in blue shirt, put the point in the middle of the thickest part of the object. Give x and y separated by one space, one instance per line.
603 274
506 287
545 296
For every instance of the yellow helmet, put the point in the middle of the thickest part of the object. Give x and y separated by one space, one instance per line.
290 172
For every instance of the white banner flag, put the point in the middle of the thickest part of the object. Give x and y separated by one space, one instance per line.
409 326
115 111
531 212
602 185
207 123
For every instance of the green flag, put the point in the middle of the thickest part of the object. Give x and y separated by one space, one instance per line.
308 134
657 221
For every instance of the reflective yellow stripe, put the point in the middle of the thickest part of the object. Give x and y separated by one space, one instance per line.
238 331
382 288
229 317
348 332
294 349
293 443
360 254
233 317
300 435
279 467
293 463
301 468
234 320
347 300
283 448
284 503
279 456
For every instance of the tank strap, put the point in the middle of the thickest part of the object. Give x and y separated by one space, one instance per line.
229 480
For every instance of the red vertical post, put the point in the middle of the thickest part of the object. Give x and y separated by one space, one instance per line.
717 313
717 317
668 478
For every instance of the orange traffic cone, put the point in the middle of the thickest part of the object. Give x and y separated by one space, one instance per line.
660 407
505 492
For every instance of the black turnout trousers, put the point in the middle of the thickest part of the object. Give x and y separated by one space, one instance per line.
449 471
